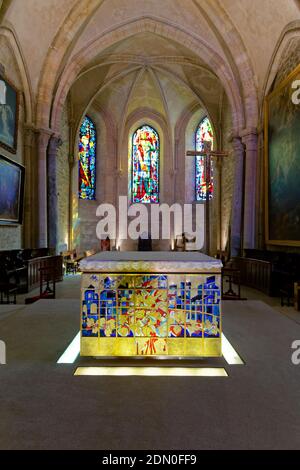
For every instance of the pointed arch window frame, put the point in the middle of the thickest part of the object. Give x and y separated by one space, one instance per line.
136 200
92 166
198 197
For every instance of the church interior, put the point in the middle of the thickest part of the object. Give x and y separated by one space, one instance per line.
169 104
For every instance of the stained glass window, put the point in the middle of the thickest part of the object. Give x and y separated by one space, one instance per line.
203 134
87 159
145 165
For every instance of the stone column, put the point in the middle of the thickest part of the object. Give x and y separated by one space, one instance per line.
43 140
238 197
52 193
30 232
218 191
250 140
72 162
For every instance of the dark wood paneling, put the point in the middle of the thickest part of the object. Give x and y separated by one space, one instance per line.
34 266
255 273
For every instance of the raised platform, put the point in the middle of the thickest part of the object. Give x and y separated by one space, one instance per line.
85 412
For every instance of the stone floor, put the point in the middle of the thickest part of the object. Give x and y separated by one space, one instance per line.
44 406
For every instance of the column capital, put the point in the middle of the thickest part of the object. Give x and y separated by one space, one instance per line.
55 142
30 133
250 140
237 144
43 138
249 134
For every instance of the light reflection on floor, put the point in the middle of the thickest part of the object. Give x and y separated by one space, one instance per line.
153 371
229 353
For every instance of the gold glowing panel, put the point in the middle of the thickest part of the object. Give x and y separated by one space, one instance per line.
190 347
153 371
151 315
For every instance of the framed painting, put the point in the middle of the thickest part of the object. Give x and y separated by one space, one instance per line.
11 191
9 114
282 163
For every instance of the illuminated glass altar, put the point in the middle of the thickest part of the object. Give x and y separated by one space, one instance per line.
151 304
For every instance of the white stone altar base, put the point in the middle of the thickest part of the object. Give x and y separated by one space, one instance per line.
150 261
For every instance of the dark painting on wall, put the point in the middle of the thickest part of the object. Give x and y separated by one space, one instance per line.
11 191
9 107
282 164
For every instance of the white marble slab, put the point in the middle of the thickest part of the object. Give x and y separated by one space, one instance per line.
150 261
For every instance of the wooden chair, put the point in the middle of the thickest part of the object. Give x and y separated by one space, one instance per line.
231 276
7 291
48 278
70 262
47 282
89 253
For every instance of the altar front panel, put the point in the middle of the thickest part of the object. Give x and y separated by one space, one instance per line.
151 314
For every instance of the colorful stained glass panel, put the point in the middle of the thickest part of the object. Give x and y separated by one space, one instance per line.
87 159
159 314
145 165
203 134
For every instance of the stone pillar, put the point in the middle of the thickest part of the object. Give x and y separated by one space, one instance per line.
52 193
30 232
218 191
238 197
250 140
43 140
72 163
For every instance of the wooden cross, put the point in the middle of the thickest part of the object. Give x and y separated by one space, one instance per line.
207 153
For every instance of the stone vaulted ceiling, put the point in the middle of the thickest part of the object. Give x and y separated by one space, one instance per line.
147 71
165 54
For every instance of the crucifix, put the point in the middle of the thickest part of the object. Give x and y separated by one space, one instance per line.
207 153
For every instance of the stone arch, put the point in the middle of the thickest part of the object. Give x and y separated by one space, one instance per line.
163 28
186 116
77 18
11 39
155 119
84 211
110 132
290 33
237 55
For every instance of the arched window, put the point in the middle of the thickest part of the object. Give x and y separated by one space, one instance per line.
203 134
87 159
145 165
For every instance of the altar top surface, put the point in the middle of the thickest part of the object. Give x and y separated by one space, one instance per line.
150 261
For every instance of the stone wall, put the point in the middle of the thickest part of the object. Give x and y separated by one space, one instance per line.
87 239
190 176
63 175
227 174
11 236
289 61
111 184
